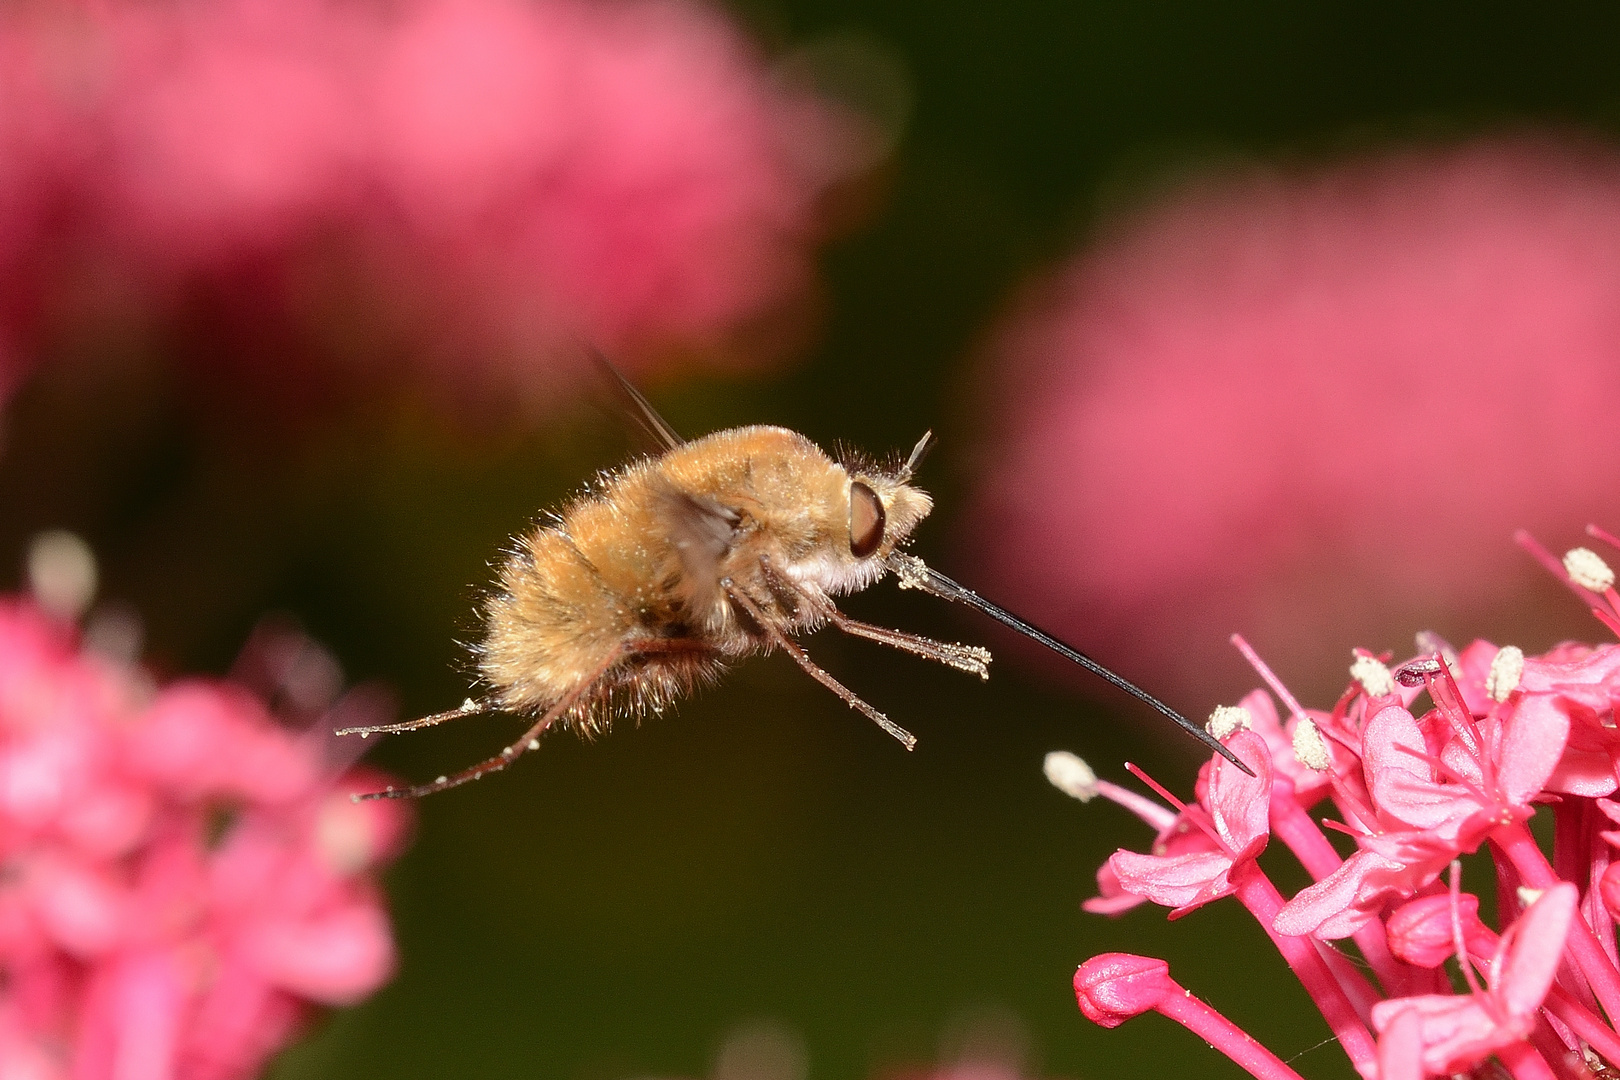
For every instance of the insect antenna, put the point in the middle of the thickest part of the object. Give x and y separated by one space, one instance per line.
913 573
915 459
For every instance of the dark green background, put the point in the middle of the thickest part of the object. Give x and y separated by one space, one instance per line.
610 910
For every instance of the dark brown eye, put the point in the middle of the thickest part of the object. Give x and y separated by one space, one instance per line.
865 520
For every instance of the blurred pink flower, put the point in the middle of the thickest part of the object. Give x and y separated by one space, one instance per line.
181 877
471 182
1309 405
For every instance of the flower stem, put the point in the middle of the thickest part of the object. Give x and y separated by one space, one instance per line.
1581 1021
1295 828
1256 892
1524 1063
1225 1036
1521 850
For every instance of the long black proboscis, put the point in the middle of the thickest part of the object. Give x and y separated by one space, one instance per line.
914 573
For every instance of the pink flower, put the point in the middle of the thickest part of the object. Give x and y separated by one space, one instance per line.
475 184
1220 414
1231 818
181 876
1457 1032
1430 809
1416 792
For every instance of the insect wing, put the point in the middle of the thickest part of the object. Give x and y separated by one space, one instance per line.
634 404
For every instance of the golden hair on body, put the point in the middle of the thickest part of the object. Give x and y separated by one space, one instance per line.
713 550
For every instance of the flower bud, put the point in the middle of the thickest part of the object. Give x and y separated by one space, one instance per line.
1420 931
1114 987
1609 889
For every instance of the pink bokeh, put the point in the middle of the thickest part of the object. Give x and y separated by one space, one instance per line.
182 877
1309 405
470 183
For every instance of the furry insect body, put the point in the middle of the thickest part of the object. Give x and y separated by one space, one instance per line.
675 565
634 576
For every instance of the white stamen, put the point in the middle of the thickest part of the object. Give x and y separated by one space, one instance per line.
1507 668
62 573
1528 896
1070 775
1227 719
1373 676
1310 748
1587 569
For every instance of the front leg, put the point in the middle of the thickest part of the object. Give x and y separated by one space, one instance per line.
969 658
777 636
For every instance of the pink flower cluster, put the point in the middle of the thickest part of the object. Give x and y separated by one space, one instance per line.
1503 734
462 177
1200 414
181 877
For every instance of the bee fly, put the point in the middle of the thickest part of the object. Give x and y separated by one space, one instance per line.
710 551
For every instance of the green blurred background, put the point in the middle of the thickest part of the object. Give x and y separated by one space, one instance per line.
611 910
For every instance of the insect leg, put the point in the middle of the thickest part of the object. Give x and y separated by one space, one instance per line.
529 741
791 647
466 708
968 658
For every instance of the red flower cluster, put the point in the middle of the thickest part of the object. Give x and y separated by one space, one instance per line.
1503 734
489 175
180 875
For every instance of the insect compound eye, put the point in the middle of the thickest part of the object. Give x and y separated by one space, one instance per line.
865 520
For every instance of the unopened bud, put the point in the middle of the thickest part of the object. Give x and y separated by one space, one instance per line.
1310 748
1227 719
1587 569
1421 932
1114 987
1507 668
1609 889
1070 775
1373 676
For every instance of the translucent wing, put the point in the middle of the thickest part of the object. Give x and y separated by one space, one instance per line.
702 531
629 400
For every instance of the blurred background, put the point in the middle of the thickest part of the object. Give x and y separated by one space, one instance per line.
1231 317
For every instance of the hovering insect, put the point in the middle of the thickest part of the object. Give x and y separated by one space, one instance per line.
677 564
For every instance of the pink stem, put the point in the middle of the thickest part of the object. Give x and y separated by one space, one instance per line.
1524 1063
1581 1021
1157 817
1520 847
1255 892
1225 1036
1295 828
1555 566
1265 672
1604 535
